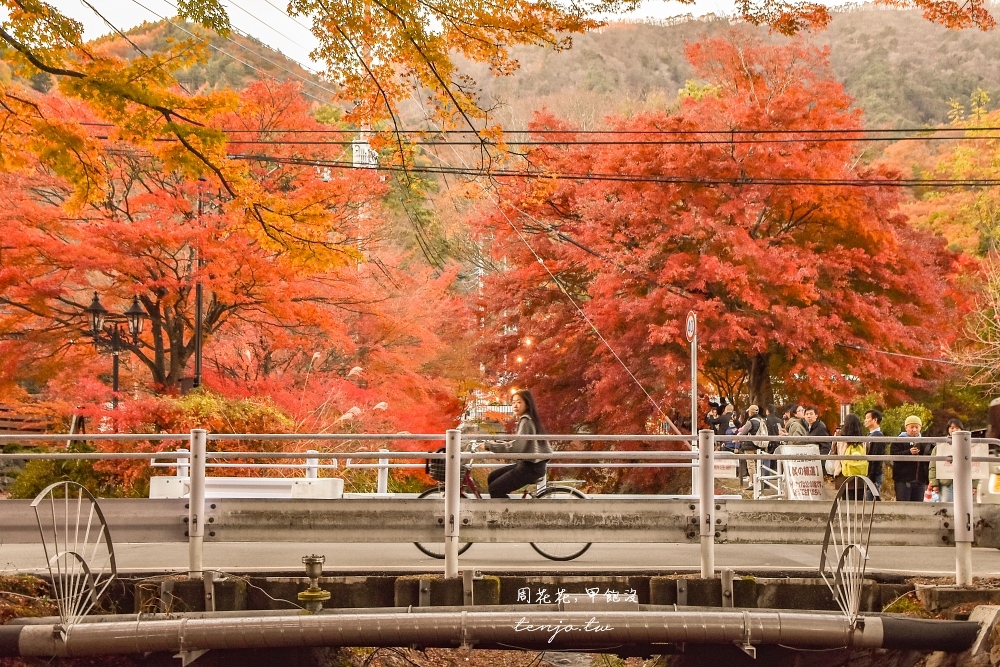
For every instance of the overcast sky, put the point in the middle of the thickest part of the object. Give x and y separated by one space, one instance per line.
264 20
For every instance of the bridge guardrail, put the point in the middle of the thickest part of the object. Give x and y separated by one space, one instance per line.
963 523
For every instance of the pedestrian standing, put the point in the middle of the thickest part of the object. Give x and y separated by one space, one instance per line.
795 424
851 428
754 425
910 477
775 426
721 421
944 487
876 469
818 428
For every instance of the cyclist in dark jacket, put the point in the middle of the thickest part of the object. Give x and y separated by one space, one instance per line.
512 477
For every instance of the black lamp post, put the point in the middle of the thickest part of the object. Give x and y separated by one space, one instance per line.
108 331
198 297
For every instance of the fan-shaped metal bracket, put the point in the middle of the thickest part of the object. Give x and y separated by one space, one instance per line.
845 543
79 553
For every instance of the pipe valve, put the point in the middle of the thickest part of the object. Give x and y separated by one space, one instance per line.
314 596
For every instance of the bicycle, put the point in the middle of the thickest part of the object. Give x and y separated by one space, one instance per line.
469 489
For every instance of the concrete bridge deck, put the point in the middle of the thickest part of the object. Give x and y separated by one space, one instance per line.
404 558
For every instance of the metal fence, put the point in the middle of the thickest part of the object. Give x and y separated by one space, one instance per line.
701 458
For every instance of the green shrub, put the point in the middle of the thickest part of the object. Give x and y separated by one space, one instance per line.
40 473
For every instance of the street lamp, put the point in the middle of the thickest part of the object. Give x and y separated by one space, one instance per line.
198 297
108 332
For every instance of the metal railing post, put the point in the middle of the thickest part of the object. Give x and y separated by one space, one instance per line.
452 493
183 469
196 503
312 464
383 474
706 501
694 467
961 454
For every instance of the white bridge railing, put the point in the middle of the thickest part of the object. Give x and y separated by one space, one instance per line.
192 463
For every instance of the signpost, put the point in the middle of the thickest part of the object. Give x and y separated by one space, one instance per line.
803 479
691 329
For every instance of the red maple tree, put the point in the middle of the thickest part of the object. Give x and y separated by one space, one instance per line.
788 253
290 323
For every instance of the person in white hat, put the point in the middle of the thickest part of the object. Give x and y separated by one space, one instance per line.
910 478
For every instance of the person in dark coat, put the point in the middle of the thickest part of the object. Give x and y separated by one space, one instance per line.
910 477
876 470
775 426
721 423
817 428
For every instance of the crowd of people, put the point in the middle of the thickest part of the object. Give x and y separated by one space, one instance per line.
912 481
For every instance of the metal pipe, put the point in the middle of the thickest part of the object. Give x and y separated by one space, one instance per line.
528 629
961 450
312 465
577 437
270 466
183 468
196 504
706 501
383 474
452 493
115 351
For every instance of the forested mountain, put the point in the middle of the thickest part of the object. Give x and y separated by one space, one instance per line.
901 69
247 59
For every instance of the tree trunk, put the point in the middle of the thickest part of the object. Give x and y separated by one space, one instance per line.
759 381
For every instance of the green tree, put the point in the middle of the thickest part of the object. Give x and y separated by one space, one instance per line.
893 418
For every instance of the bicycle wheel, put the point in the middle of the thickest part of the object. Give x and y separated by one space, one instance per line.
436 549
560 551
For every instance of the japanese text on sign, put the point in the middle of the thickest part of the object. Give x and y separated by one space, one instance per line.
803 479
591 595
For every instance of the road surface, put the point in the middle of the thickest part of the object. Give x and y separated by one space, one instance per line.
402 558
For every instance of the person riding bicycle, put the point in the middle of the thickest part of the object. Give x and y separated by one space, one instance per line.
512 477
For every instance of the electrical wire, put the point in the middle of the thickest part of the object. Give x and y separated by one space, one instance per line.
743 181
707 131
754 142
229 55
347 142
631 178
948 362
496 200
271 28
127 38
270 62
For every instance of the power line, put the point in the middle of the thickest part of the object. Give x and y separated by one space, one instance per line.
271 62
680 142
496 202
740 131
229 55
742 181
331 130
272 28
127 39
948 362
636 178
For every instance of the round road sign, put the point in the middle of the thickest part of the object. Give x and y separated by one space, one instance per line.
692 325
